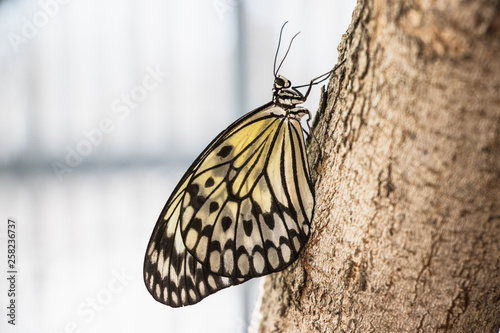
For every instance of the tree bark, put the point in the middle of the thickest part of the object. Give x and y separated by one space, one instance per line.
406 228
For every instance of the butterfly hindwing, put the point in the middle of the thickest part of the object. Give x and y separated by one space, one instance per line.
171 273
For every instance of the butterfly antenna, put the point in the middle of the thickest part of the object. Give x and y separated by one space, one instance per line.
288 50
278 49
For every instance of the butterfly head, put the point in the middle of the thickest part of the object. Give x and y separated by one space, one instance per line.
283 96
281 82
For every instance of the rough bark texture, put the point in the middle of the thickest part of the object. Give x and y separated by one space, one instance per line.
406 232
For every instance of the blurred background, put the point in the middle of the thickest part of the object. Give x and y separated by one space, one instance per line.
103 106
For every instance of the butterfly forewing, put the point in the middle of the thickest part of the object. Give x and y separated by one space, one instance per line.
241 217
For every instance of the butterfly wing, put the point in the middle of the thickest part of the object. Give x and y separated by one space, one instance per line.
249 204
171 274
243 209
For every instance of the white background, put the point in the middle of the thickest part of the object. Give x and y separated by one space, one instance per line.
67 67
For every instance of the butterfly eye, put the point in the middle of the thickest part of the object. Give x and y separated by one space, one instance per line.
279 82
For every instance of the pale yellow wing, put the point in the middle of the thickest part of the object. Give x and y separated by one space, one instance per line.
243 209
249 203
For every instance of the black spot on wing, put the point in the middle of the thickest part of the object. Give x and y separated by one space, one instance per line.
229 244
193 189
214 206
214 246
210 182
226 223
196 224
268 218
248 227
207 230
225 151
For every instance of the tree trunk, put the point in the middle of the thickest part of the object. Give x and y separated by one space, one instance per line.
406 229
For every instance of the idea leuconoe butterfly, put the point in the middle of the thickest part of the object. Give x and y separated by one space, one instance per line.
242 210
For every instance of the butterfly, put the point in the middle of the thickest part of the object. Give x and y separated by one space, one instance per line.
242 210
